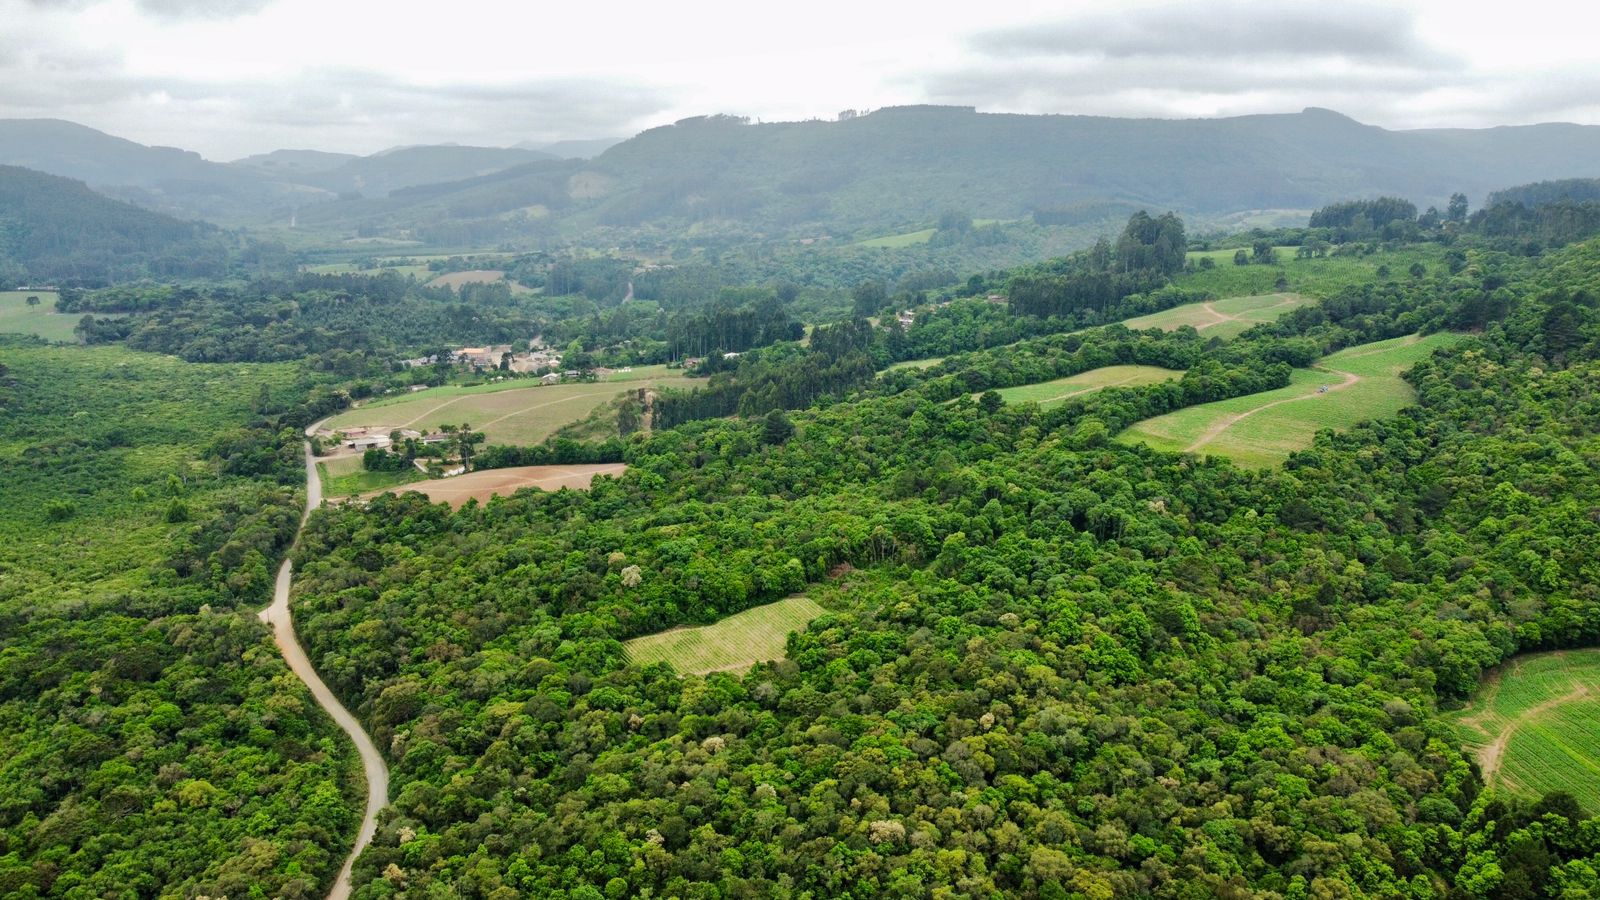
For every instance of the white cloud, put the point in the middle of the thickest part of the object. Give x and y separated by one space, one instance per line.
232 77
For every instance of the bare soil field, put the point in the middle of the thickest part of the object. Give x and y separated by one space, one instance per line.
482 485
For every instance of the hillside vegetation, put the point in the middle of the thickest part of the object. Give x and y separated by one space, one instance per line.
155 741
53 229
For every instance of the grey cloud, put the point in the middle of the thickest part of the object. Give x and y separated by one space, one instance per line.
1226 30
329 108
171 9
202 9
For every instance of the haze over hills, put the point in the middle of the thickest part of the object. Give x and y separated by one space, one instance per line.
895 168
55 228
902 167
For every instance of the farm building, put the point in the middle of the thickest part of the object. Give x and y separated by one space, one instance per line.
368 442
551 378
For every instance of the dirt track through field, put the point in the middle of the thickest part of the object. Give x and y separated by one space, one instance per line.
280 618
1229 317
1491 754
1222 425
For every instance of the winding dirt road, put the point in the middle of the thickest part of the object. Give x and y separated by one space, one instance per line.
277 615
1215 431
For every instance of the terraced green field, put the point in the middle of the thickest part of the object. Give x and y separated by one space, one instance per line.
1347 387
1226 318
1535 726
735 643
17 317
509 412
1054 393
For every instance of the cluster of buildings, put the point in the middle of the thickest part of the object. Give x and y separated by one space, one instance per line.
534 359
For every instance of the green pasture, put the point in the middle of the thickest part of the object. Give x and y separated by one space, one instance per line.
516 411
17 317
1054 393
1353 385
735 643
344 477
1535 726
1226 318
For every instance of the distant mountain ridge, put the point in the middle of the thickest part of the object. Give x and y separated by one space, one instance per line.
895 168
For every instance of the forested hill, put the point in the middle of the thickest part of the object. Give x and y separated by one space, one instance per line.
57 229
182 183
892 169
902 167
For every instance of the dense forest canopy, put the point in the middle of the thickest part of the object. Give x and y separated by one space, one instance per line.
1050 664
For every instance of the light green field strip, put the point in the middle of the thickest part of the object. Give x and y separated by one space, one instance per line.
17 317
1226 318
511 412
1535 726
733 644
1351 386
928 363
1054 393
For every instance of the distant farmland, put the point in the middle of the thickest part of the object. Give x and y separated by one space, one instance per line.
486 483
1262 429
1227 318
733 644
509 412
1532 726
1054 393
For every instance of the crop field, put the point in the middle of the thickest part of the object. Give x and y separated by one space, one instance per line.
733 644
1227 318
1054 393
508 412
17 317
1347 387
1535 726
486 483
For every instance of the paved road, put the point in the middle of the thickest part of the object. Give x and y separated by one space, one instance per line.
277 615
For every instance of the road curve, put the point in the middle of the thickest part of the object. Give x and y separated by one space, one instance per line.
277 615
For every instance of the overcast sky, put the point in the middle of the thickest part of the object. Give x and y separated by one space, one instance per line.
234 77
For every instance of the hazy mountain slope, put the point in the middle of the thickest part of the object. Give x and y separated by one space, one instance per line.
293 163
381 173
54 229
902 167
161 178
576 149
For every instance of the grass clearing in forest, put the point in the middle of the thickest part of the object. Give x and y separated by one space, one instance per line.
17 316
1532 726
733 644
518 411
1353 385
1054 393
1318 277
1227 318
344 476
928 363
